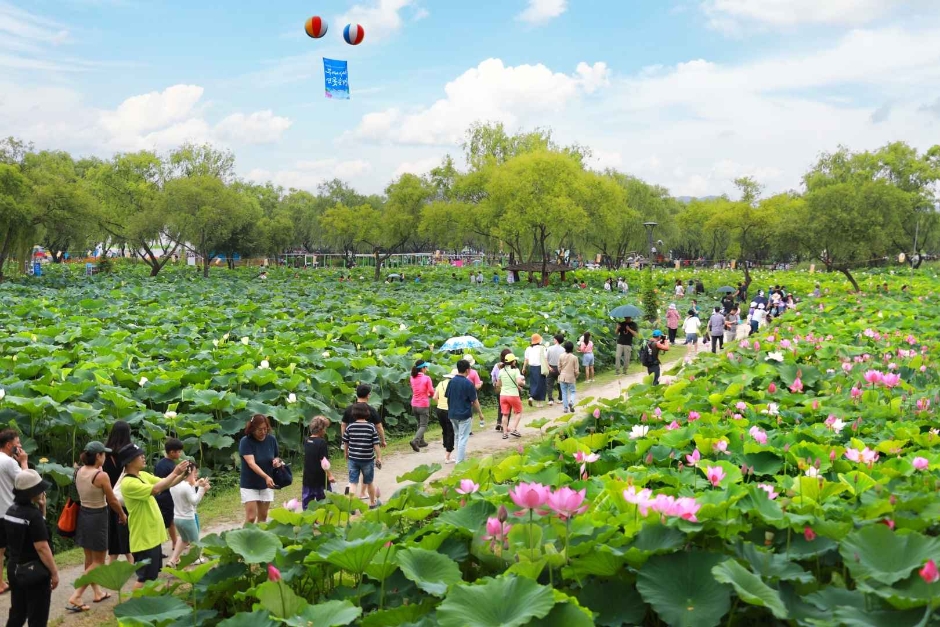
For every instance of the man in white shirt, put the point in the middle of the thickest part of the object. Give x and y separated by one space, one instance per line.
554 352
12 463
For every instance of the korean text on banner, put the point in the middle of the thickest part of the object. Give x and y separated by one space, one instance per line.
336 78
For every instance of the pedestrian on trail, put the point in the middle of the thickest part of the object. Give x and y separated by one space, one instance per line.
173 449
13 461
147 530
568 377
317 476
672 322
361 448
716 328
510 395
494 380
25 538
96 498
187 495
586 348
732 320
363 392
477 382
554 351
657 345
119 541
536 359
461 397
443 418
758 318
699 287
680 290
422 389
691 327
259 452
626 331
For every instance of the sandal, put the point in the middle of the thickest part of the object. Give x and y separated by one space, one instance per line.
515 434
107 595
77 609
505 436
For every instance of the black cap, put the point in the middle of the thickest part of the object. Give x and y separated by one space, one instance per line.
128 454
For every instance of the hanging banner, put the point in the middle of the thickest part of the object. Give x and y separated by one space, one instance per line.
336 78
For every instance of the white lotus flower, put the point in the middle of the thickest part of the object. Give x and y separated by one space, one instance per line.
812 471
264 364
245 341
169 415
143 381
373 327
14 357
545 315
2 393
225 338
639 431
215 343
33 337
326 353
774 356
838 425
773 409
291 398
402 327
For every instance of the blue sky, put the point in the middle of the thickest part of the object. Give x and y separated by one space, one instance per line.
685 93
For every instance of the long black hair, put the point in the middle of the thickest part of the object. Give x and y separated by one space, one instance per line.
416 369
120 436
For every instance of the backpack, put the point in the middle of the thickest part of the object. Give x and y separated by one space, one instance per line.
646 355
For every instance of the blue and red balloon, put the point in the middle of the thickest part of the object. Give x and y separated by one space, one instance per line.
354 34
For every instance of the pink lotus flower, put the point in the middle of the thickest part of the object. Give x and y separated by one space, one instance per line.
273 573
891 380
693 458
693 416
756 345
814 404
923 404
929 572
325 464
597 413
566 502
529 496
856 393
910 339
497 531
797 385
866 455
921 463
809 534
467 486
641 499
847 366
772 388
587 458
759 435
715 474
769 489
672 426
889 523
658 412
721 447
685 508
923 368
740 406
873 377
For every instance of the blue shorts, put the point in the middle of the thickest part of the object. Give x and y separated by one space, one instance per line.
691 338
587 359
188 528
366 467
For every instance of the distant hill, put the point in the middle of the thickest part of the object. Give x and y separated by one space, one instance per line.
688 199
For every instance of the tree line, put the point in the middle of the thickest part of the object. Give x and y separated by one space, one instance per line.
522 194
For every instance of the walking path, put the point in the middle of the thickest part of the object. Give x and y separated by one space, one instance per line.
485 441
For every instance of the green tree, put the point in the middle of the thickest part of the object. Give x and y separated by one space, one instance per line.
18 216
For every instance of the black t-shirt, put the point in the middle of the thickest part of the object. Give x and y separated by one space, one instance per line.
373 416
623 337
112 469
315 449
163 469
18 535
654 351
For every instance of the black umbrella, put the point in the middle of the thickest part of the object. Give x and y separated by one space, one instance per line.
626 311
727 289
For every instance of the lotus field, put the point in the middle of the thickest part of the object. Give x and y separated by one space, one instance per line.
791 480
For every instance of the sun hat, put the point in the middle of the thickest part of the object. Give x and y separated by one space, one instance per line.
28 484
657 333
753 303
672 305
469 359
450 375
536 338
509 358
128 454
423 364
95 447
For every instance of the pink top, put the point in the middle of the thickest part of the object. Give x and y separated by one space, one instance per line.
672 319
474 378
422 389
586 348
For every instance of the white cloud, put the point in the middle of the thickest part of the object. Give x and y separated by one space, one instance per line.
260 127
309 174
380 18
147 112
542 11
419 167
19 27
731 15
491 91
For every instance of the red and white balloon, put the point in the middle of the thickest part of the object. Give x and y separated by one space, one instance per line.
316 27
354 34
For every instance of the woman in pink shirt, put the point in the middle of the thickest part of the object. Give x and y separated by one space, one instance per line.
475 379
672 322
422 389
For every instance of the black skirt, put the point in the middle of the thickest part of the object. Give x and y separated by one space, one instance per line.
119 539
92 532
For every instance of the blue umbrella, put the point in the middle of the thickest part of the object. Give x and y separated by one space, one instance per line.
461 343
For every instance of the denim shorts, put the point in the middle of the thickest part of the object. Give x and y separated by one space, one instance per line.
366 467
587 359
691 338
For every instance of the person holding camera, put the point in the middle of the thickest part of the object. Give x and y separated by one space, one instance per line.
139 490
12 463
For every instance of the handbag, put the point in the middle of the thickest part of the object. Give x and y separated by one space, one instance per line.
117 490
31 573
282 476
68 519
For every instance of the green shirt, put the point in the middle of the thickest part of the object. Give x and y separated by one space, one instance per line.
144 520
509 377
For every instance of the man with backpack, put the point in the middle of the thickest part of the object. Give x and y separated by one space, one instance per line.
649 354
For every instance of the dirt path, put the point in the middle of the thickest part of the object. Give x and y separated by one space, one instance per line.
483 442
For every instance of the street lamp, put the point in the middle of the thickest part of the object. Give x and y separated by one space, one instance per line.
649 239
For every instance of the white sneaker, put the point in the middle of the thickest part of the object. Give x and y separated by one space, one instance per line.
550 403
450 461
482 424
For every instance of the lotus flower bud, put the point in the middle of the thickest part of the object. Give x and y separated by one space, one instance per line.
502 514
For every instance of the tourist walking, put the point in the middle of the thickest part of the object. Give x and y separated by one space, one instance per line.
97 499
626 331
672 322
510 396
554 351
494 380
13 460
477 382
586 348
422 389
317 478
119 542
187 495
568 376
657 345
732 320
716 328
461 397
25 539
259 452
691 327
534 360
443 418
361 448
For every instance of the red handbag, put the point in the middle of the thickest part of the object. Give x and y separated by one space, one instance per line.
68 519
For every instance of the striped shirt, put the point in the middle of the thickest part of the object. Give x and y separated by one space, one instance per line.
361 438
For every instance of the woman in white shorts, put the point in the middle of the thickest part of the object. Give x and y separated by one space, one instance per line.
259 453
